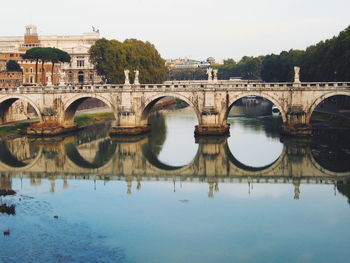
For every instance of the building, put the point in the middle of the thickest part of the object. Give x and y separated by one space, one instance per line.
185 63
211 60
79 71
4 57
10 79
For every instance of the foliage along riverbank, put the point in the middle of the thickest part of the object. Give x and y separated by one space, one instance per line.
327 60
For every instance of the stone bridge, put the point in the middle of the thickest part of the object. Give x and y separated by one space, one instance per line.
131 159
211 102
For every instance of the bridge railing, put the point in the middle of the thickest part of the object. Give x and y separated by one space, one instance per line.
181 86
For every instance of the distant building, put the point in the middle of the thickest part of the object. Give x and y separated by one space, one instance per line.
186 63
211 60
10 79
79 71
4 57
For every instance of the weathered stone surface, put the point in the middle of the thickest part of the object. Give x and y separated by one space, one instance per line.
211 102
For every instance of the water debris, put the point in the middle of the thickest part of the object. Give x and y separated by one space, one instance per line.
7 232
6 192
10 210
56 217
184 201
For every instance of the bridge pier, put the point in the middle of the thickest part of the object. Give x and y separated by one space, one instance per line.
129 130
50 129
210 125
129 124
297 122
211 130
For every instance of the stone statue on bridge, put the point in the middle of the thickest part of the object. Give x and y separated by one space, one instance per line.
62 77
136 81
215 71
49 79
296 74
210 74
127 80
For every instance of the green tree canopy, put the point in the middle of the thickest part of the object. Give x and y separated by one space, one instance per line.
112 57
247 68
326 61
188 74
13 65
46 54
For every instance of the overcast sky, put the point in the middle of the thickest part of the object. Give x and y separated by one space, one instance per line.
187 28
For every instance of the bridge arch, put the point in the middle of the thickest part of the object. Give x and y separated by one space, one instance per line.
72 105
234 99
151 101
321 98
7 101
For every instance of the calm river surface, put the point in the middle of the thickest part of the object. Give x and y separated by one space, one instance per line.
168 197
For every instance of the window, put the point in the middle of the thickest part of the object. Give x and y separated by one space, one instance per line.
70 76
80 63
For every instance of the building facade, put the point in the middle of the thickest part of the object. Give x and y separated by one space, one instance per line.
79 71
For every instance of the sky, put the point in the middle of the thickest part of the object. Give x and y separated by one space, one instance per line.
187 28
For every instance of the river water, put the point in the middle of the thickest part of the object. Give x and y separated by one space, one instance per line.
169 197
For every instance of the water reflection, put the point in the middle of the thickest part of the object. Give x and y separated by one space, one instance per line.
99 157
130 200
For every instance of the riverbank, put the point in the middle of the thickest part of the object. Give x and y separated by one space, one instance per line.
90 119
329 121
13 130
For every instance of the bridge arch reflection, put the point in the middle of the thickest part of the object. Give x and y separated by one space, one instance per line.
104 152
248 168
19 153
123 158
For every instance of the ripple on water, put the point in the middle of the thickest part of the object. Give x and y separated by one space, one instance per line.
37 237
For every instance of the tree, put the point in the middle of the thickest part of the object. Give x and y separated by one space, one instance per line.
46 54
57 56
13 65
326 61
188 74
112 57
33 54
247 68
